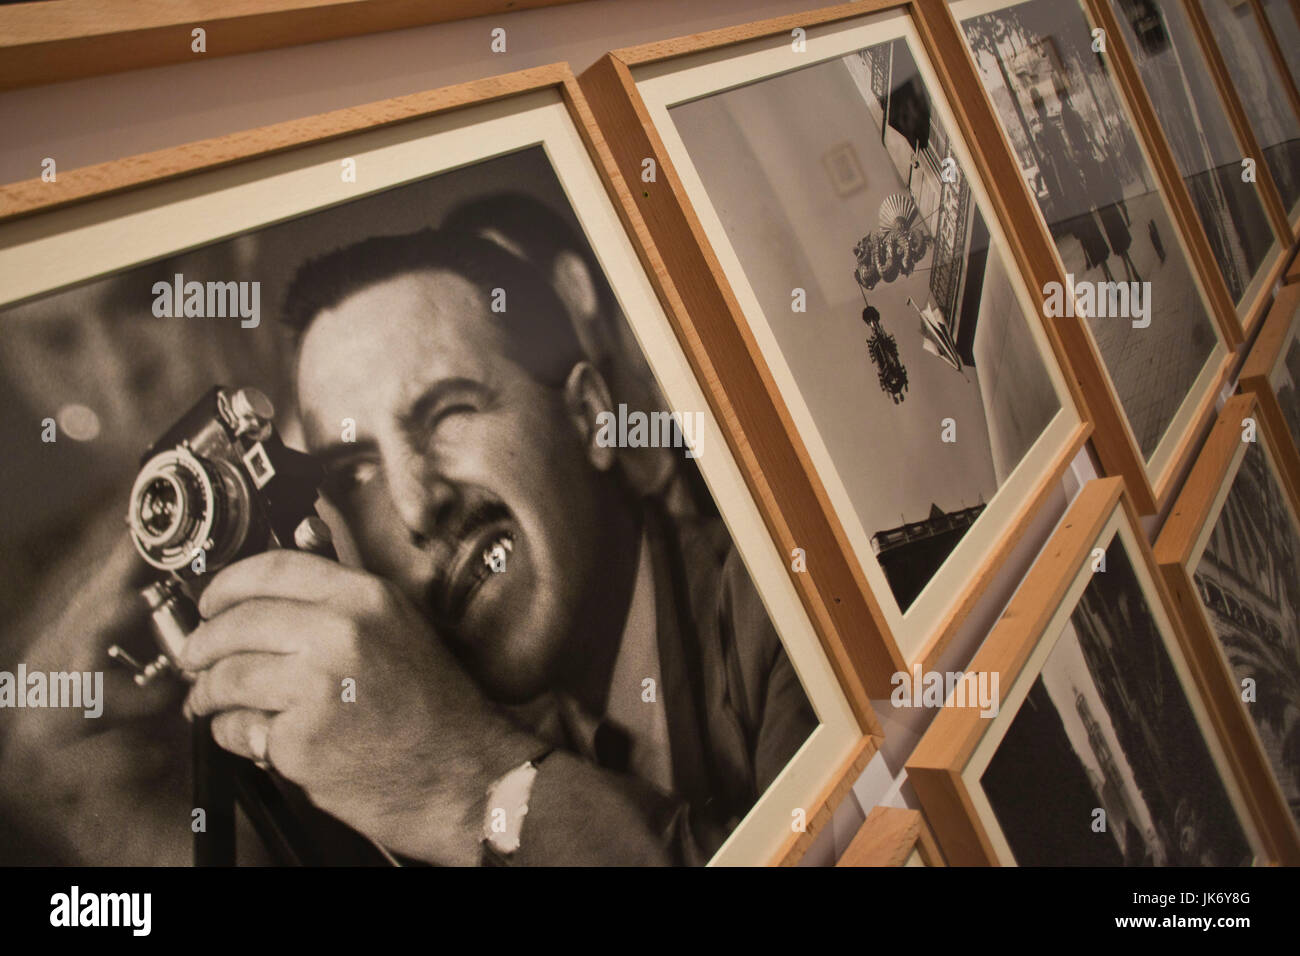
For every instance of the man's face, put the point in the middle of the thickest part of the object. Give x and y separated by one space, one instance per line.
459 453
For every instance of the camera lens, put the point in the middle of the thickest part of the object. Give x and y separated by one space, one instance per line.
182 504
162 508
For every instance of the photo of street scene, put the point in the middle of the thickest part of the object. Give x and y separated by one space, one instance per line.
911 352
1062 113
1104 763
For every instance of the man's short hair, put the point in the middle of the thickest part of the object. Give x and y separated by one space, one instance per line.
535 326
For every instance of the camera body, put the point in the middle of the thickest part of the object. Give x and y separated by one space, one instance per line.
219 485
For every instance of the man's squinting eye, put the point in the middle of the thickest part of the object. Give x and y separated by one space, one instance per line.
351 475
445 423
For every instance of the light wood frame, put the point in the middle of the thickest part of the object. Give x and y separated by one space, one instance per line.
941 769
56 40
1238 320
892 836
1151 489
1259 375
675 226
1178 551
85 206
1237 112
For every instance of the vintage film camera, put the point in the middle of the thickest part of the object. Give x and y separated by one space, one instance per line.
218 486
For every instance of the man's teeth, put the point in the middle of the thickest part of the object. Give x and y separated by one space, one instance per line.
494 555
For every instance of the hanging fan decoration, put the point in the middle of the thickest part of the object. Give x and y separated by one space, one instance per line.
902 230
895 247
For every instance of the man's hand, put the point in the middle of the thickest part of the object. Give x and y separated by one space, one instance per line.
408 763
111 790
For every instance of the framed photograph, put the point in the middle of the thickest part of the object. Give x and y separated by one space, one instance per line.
1250 68
1155 54
892 325
1101 751
1229 553
1093 178
418 335
892 836
1272 372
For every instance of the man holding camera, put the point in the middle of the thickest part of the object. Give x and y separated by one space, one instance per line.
538 664
617 682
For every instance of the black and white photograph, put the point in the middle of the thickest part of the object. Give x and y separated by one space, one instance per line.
889 306
1195 121
1248 577
1259 84
1104 762
369 496
1062 113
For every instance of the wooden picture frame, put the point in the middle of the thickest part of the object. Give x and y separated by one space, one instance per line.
57 40
1186 543
736 329
1035 775
1152 476
892 836
1253 303
1271 372
97 221
1221 68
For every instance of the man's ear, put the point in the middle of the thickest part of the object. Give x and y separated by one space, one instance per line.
587 401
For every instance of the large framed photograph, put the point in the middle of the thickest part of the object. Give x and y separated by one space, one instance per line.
1156 56
1092 177
1268 97
417 336
891 322
1229 552
1272 372
1101 751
